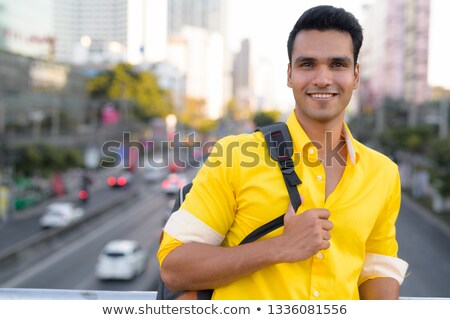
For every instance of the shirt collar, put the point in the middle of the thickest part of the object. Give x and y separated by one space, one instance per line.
301 139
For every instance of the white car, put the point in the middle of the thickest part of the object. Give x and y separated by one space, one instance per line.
60 214
121 259
154 174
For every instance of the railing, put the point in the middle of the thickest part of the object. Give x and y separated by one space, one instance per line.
59 294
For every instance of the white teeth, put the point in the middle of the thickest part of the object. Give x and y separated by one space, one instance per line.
321 95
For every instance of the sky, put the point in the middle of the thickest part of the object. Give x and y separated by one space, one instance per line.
268 23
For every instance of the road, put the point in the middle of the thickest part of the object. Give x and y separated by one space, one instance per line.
423 243
23 228
73 267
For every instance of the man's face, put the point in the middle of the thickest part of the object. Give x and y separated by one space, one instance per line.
322 74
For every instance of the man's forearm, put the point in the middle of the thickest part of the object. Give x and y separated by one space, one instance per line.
195 266
379 289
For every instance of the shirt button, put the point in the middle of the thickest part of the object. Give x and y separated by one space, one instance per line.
319 178
316 294
320 255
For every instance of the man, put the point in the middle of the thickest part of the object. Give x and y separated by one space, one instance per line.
340 244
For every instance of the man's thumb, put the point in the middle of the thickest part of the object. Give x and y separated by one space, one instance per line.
290 210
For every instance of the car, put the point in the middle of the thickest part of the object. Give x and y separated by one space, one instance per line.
60 214
173 183
153 174
121 260
121 179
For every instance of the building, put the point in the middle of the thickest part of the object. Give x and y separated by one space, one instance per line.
109 31
204 14
395 53
199 55
243 89
197 47
39 94
18 27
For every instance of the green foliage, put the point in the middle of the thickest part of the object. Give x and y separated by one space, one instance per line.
46 159
261 118
439 153
27 159
139 89
152 101
412 139
206 126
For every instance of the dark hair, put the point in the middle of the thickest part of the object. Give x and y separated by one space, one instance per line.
325 18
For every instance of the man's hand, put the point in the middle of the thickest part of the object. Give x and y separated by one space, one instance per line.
305 234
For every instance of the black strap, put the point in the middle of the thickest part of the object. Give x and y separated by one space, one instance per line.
183 191
281 149
264 229
279 143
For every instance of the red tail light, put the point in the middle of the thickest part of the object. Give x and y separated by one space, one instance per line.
166 184
121 181
83 194
111 181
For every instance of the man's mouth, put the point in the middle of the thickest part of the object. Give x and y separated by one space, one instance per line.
321 96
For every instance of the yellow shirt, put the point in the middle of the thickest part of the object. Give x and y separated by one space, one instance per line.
240 188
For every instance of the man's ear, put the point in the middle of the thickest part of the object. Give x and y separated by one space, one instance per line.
356 81
289 71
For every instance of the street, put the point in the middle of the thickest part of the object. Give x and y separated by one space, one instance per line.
423 243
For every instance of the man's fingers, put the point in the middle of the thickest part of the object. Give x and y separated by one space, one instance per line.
326 235
323 213
290 210
326 224
325 245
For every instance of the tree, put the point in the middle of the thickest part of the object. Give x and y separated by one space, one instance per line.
140 89
411 139
261 118
439 153
152 101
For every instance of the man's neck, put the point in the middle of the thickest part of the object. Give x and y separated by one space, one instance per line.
323 132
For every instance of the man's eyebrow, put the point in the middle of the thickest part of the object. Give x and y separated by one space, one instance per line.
304 59
342 59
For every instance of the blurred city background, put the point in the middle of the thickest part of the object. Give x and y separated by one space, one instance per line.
76 75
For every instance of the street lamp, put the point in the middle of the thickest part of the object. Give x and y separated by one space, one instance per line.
171 123
86 41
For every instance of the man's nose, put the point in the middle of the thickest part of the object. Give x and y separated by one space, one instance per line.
322 77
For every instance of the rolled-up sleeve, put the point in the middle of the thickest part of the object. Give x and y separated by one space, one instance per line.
381 247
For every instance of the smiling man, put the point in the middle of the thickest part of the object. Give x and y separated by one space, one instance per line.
340 244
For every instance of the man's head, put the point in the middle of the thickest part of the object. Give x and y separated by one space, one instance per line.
325 18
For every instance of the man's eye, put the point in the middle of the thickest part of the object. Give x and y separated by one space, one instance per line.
338 65
305 65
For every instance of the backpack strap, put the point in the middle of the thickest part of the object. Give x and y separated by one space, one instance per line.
279 143
183 191
281 149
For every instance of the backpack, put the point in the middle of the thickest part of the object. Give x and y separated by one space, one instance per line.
279 142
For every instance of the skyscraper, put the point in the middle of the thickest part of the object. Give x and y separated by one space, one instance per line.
205 14
395 51
99 31
197 46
